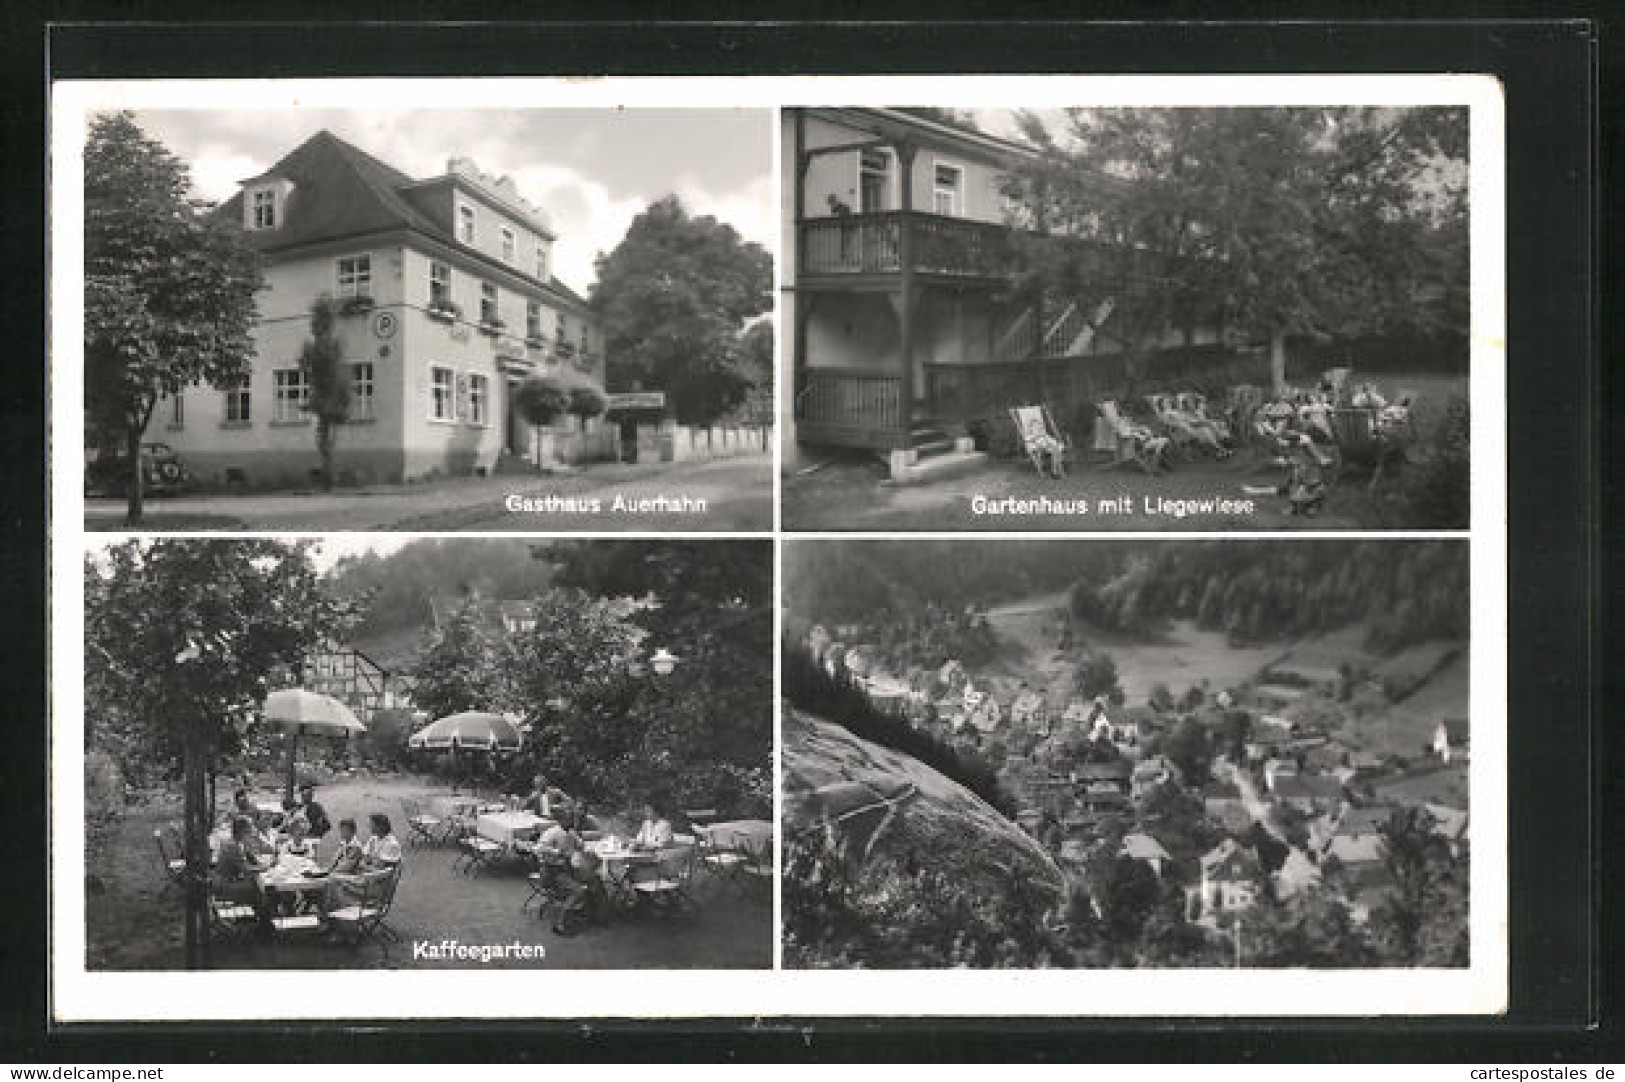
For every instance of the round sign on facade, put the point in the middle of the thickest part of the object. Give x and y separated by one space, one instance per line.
383 324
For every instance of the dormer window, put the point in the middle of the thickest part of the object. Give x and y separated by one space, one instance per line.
262 209
465 223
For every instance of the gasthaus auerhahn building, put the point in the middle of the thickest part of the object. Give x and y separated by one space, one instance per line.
447 303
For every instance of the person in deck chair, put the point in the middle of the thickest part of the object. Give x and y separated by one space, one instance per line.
1048 449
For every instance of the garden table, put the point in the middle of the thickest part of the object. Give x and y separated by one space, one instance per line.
754 834
287 876
618 863
507 827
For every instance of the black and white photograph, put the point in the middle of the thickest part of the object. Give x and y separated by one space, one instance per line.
1126 317
426 318
427 754
1121 755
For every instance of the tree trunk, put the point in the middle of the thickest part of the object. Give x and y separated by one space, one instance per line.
324 447
197 848
1277 359
132 449
293 754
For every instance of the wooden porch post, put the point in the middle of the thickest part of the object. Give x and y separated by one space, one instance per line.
905 278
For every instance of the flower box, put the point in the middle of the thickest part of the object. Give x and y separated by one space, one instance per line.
355 306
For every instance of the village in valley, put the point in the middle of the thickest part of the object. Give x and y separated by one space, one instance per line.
1283 776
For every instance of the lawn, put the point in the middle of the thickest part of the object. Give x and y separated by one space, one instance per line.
134 918
849 491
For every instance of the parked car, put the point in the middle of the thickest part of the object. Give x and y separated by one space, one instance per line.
162 471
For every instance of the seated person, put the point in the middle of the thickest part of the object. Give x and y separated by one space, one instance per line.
240 804
315 814
347 861
382 851
237 865
654 833
297 831
1315 417
546 800
570 872
1049 451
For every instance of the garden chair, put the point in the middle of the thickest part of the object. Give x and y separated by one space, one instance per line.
426 828
1194 403
365 918
475 853
721 860
1130 442
664 884
174 865
230 919
1046 445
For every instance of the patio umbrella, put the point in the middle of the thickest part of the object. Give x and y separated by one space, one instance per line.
470 729
299 712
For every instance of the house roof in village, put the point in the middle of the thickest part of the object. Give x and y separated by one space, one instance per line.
1116 770
1310 786
1143 846
1447 822
1456 730
1364 820
1356 849
339 191
1229 860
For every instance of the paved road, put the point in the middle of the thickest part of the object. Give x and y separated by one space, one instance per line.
732 494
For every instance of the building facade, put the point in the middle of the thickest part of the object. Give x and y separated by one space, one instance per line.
446 301
904 333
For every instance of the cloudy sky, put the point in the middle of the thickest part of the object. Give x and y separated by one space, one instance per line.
591 170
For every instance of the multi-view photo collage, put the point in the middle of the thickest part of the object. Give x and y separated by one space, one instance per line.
533 540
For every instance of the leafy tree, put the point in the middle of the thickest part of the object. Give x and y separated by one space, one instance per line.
169 293
1423 919
674 296
322 361
1096 676
1272 221
1187 747
541 400
184 638
462 666
1313 929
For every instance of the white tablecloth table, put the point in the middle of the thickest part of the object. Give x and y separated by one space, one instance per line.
287 876
508 827
754 834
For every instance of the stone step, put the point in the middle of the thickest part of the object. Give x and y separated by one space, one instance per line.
939 466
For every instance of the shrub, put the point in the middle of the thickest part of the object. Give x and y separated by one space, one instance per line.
104 787
586 402
542 400
1436 491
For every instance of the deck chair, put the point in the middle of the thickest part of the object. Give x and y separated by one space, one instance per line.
1194 403
364 920
1129 442
1046 445
1184 428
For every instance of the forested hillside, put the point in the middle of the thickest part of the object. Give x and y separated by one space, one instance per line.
402 582
1400 591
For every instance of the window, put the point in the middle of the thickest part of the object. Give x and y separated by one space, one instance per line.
564 327
361 388
479 399
488 303
442 394
541 261
264 209
291 393
355 276
439 282
507 245
874 181
946 181
533 320
465 223
237 403
177 410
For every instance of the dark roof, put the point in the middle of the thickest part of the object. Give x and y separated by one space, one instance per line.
339 190
1117 769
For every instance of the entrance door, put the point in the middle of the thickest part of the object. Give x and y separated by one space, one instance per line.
629 438
517 436
874 181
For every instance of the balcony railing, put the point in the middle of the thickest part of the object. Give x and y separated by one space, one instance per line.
852 407
876 243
